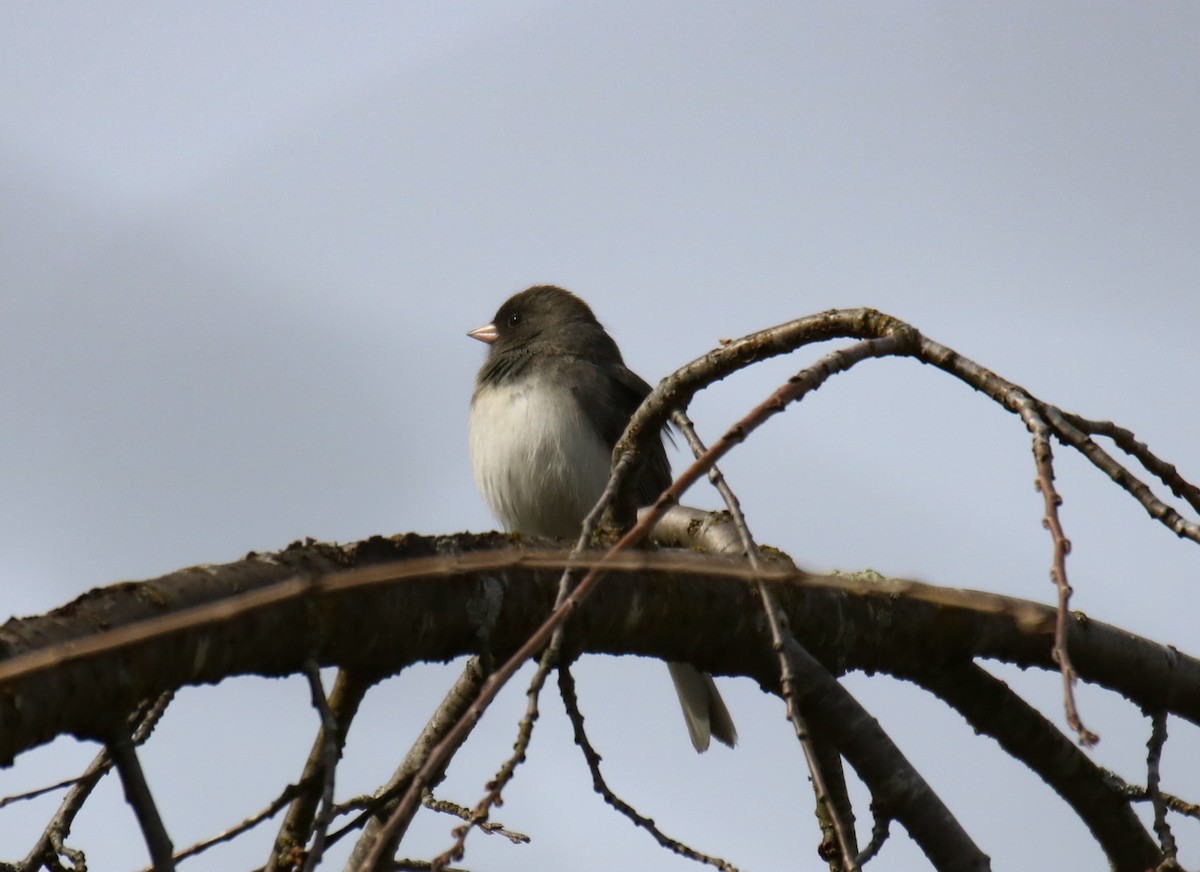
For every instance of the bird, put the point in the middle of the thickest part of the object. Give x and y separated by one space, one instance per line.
550 402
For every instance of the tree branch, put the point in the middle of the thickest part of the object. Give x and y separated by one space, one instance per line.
566 685
50 844
1154 747
897 789
991 708
137 794
377 620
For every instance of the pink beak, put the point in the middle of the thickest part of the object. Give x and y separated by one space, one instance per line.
487 333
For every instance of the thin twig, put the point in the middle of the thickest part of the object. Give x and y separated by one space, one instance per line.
828 810
566 685
137 794
479 814
785 647
681 420
1137 793
40 791
445 806
286 796
1012 397
1152 463
897 788
880 829
1126 480
330 745
1044 461
1158 738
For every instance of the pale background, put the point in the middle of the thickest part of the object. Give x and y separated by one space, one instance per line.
240 245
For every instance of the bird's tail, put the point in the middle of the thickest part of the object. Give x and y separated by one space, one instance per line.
704 711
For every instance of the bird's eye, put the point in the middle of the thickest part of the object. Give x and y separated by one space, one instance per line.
514 319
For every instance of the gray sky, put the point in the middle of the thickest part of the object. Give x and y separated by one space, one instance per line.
240 245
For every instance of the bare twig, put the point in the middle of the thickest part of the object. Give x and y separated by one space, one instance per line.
479 814
445 806
566 684
835 814
880 829
1127 442
1137 793
548 658
785 645
676 390
1012 397
1044 460
137 794
749 547
286 796
330 747
897 788
39 791
1126 480
835 831
1158 738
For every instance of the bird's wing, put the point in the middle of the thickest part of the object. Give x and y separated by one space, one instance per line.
622 389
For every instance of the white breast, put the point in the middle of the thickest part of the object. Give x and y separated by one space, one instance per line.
538 463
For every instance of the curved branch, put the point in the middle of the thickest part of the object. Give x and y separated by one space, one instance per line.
203 625
676 391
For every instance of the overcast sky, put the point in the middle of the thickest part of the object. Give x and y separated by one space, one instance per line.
240 245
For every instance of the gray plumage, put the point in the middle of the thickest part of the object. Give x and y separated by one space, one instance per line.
550 402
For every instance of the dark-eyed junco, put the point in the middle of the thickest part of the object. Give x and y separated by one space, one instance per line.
550 403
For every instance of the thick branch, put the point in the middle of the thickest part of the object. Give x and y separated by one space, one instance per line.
137 794
668 605
994 710
897 789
